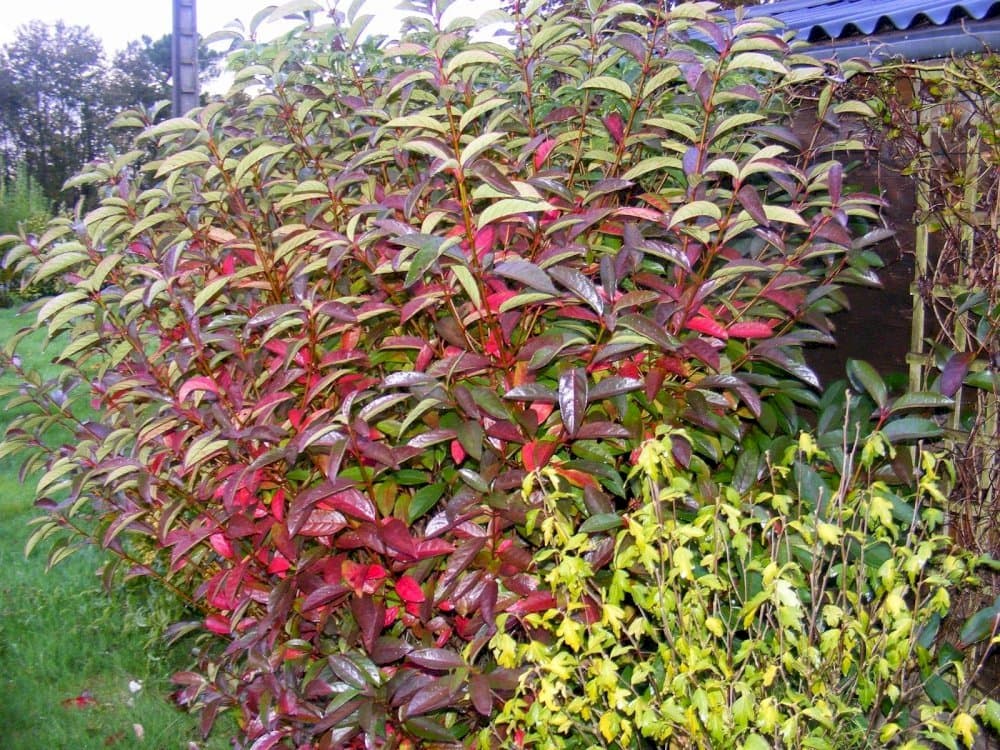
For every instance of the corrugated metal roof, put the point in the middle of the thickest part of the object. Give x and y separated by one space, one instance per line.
817 20
916 29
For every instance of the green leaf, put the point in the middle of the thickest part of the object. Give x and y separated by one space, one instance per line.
921 400
210 290
256 156
418 121
756 742
608 83
939 691
180 161
756 61
991 714
662 78
424 499
694 210
293 8
654 163
430 247
601 522
981 626
911 428
510 207
470 57
739 120
784 215
478 144
863 375
172 126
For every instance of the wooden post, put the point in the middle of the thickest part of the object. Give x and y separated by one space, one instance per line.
185 57
920 276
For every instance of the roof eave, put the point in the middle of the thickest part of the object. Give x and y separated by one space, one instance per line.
915 44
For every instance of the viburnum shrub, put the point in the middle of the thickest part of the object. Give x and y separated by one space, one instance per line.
333 321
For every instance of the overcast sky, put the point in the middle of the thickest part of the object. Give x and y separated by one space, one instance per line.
117 22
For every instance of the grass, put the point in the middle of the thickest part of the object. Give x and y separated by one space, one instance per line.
72 659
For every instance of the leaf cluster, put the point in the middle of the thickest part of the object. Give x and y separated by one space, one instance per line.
332 324
804 612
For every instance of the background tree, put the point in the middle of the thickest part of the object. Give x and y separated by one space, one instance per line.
58 96
141 73
53 108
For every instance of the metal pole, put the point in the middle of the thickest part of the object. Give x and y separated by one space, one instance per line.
185 57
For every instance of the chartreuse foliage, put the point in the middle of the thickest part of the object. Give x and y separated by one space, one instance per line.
804 612
333 321
23 205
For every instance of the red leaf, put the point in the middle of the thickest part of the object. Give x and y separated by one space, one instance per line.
324 595
753 329
616 126
222 546
218 624
364 579
436 695
542 410
433 548
576 477
267 741
573 398
709 327
409 590
353 503
485 238
543 151
278 565
749 199
83 700
396 536
536 601
536 454
200 383
323 522
457 452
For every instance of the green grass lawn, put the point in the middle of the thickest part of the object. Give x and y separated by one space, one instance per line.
77 670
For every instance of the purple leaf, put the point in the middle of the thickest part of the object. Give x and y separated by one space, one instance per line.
580 285
573 398
616 385
532 392
526 273
438 659
749 199
954 372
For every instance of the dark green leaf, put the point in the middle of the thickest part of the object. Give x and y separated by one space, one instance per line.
911 428
866 377
599 523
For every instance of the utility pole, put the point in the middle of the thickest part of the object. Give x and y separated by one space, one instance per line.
185 57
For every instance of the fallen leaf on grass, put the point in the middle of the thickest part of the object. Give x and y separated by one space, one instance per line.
83 700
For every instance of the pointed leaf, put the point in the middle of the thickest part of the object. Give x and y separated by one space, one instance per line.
511 207
863 375
440 659
911 428
580 285
573 398
528 274
921 400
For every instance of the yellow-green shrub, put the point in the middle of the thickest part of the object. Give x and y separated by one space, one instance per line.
768 618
